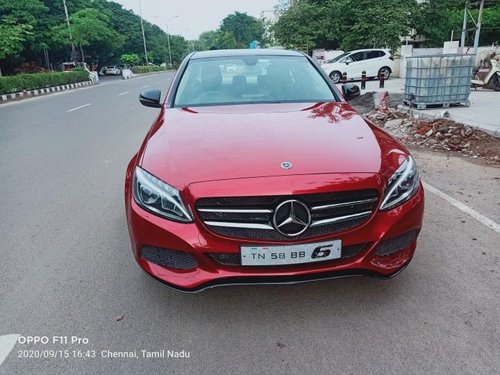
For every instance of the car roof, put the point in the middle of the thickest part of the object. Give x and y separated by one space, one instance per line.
244 52
369 49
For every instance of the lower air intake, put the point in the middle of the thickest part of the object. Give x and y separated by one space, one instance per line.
169 258
395 244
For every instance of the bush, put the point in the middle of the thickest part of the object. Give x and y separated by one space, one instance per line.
147 69
22 82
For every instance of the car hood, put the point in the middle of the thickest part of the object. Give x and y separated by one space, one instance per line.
243 141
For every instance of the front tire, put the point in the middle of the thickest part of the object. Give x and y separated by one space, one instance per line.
384 72
494 83
335 76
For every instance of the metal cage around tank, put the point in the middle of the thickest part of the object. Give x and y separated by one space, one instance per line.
438 80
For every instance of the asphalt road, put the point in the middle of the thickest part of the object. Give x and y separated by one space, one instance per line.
66 268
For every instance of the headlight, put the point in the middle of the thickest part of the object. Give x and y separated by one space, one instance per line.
158 197
402 185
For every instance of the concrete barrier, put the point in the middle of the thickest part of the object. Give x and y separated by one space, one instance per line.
127 73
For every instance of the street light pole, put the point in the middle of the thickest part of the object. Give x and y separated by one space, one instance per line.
169 51
168 39
143 35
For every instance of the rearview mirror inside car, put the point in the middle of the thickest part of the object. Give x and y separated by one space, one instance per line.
350 91
151 98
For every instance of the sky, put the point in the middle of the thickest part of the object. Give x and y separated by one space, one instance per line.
195 16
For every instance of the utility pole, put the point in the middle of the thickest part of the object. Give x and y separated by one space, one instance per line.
464 27
69 29
478 27
143 36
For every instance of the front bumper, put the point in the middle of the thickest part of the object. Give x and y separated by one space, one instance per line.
147 229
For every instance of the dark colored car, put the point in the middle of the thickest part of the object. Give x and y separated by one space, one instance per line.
257 170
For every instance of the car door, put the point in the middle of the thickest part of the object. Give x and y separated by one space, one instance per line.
373 62
354 65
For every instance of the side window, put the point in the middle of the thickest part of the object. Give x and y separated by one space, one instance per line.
358 56
374 54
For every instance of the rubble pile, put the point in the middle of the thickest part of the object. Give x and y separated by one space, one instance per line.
439 134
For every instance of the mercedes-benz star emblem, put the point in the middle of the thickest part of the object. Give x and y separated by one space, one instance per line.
286 165
291 218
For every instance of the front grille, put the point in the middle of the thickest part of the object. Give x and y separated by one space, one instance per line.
169 258
252 217
234 259
395 244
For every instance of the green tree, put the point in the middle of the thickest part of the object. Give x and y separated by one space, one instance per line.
88 26
130 58
207 40
434 23
438 19
227 40
349 24
22 11
306 25
179 48
12 37
18 25
370 24
240 28
106 32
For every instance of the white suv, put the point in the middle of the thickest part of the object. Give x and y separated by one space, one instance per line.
375 62
112 70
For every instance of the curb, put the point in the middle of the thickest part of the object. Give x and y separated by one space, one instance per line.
133 75
48 90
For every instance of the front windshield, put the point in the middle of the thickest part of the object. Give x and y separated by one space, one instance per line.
251 79
338 58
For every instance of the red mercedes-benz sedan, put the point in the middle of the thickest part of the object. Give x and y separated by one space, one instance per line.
257 170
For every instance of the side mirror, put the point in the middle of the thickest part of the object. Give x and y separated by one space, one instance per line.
151 98
348 61
350 91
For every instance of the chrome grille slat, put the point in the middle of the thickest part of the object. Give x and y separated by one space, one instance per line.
344 204
236 211
340 219
252 217
239 225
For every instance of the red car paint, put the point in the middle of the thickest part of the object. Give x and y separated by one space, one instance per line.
236 151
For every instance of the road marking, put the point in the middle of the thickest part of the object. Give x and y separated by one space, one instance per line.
469 211
7 343
123 93
80 107
145 86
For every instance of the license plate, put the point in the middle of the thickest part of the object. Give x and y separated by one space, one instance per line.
290 254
